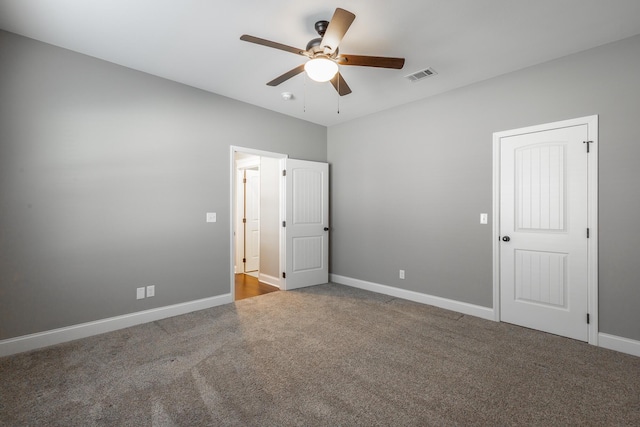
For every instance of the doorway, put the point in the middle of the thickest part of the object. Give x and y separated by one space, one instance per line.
247 218
255 224
545 228
251 220
294 219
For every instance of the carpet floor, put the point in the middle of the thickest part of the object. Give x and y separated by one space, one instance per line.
327 355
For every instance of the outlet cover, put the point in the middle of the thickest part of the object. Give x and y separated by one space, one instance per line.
484 218
139 293
402 274
211 217
151 291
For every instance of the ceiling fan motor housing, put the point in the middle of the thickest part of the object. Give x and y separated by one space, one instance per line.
321 27
313 43
314 46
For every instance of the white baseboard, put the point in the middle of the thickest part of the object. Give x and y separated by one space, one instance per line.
269 280
56 336
623 345
460 307
611 342
83 330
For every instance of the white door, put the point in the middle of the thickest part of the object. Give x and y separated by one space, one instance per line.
252 218
543 230
306 223
238 231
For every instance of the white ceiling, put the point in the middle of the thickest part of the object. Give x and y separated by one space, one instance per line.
197 42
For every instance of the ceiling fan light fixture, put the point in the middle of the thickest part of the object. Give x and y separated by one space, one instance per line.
321 69
322 53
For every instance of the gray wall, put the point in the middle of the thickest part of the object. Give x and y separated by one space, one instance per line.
270 216
409 184
106 173
105 177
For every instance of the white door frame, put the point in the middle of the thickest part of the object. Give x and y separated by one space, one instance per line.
592 214
232 172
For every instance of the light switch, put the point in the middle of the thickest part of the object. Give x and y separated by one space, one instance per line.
211 217
484 218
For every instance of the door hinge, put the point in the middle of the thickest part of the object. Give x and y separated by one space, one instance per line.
284 172
244 220
588 319
284 275
244 260
587 142
587 233
244 180
284 223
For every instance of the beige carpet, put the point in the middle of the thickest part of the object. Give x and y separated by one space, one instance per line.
327 355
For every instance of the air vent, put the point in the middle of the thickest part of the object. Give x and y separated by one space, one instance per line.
422 74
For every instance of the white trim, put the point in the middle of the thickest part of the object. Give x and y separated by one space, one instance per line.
448 304
269 280
611 342
623 345
495 228
592 214
259 153
283 217
592 223
57 336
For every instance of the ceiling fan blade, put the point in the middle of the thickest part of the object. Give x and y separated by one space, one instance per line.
269 43
338 26
341 86
286 76
371 61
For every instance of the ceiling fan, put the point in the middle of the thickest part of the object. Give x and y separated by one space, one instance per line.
323 54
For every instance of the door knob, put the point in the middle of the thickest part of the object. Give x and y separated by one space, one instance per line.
326 229
506 238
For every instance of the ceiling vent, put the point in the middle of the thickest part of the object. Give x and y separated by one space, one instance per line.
422 74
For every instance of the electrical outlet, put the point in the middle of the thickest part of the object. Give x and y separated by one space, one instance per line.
151 291
484 218
402 274
139 293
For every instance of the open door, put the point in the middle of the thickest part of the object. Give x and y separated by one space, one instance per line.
306 225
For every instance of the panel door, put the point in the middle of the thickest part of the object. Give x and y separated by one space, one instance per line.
307 223
252 217
543 231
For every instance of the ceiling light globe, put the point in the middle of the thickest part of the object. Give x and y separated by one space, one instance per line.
321 69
